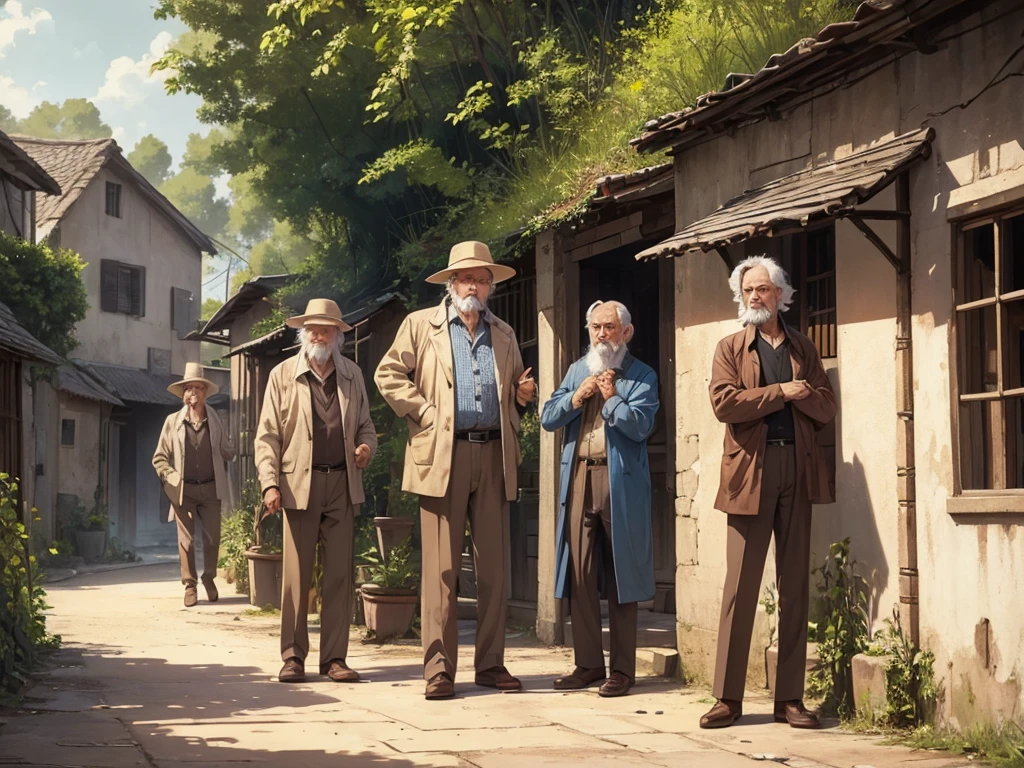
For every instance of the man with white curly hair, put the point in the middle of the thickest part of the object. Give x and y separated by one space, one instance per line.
770 390
313 441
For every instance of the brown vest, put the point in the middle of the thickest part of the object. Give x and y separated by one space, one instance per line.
328 437
198 463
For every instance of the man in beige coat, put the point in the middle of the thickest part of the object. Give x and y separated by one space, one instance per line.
314 440
455 373
189 460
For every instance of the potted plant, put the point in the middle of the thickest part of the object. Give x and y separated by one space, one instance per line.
265 560
90 527
394 511
237 535
390 600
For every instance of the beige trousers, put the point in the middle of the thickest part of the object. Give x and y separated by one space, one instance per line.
477 490
198 501
590 532
327 519
785 512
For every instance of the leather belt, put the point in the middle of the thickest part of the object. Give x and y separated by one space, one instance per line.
328 468
780 442
199 482
596 462
478 435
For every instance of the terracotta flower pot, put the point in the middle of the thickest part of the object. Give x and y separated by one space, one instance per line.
389 612
392 532
265 571
91 545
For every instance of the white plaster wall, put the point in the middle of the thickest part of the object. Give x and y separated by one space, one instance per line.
143 236
970 569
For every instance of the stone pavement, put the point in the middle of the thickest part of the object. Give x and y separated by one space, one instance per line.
142 681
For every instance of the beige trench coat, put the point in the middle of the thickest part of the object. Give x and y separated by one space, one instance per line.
742 404
170 455
416 379
284 437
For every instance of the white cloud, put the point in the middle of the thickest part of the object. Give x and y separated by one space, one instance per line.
118 133
39 84
92 47
14 20
17 99
128 81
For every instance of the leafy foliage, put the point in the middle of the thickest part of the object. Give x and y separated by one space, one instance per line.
238 534
841 631
22 600
399 571
382 479
910 689
152 159
72 119
43 287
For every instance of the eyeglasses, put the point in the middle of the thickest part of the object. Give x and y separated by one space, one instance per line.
481 282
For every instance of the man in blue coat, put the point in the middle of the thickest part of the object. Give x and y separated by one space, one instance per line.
606 404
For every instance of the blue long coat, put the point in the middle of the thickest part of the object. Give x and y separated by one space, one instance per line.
629 420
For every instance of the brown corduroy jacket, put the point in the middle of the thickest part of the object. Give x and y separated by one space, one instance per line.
741 403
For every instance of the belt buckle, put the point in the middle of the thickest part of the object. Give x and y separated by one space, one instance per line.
477 436
327 469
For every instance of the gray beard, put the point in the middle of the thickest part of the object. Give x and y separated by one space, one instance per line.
318 353
467 304
755 317
604 355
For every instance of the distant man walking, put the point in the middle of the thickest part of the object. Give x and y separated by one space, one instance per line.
189 460
770 390
314 440
607 403
455 373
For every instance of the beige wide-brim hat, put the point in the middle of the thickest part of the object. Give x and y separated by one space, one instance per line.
471 255
193 375
319 312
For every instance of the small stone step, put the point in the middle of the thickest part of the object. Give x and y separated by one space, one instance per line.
660 662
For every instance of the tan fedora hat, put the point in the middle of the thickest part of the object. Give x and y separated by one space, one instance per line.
193 375
471 255
319 312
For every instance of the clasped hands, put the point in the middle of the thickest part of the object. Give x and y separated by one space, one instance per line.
795 390
603 382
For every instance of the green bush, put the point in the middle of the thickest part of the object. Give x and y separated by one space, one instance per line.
238 533
401 571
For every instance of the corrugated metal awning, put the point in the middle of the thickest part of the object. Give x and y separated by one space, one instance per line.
825 192
133 385
76 381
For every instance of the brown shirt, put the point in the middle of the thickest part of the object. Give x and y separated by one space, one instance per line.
328 437
198 463
592 438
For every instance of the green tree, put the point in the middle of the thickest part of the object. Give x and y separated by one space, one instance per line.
210 307
8 122
195 196
43 288
73 119
152 159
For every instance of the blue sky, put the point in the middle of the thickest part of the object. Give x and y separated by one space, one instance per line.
98 49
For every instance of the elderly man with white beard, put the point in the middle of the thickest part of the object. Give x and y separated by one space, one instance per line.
769 388
607 403
314 440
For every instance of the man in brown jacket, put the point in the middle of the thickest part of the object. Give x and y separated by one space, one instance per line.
189 460
454 372
313 441
770 390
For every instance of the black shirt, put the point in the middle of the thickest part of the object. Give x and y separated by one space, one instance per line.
777 368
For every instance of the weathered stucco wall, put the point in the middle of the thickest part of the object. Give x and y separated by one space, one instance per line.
970 566
143 237
80 463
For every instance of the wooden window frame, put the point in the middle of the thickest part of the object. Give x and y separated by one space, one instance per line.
795 259
117 278
74 432
114 198
997 499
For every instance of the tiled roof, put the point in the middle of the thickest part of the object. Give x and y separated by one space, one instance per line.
133 385
15 338
15 162
74 164
817 193
879 29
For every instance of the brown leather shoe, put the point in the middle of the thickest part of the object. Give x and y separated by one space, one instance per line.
723 714
796 714
211 591
340 672
580 678
440 686
616 685
191 597
293 671
500 678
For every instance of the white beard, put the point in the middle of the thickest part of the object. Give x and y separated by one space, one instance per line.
755 317
318 353
467 304
604 355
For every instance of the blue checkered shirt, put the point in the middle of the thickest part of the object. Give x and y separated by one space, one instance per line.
476 388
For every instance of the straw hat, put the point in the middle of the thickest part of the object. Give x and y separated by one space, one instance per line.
193 375
471 255
319 312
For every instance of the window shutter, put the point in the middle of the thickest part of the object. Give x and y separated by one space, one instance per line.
181 311
108 285
139 292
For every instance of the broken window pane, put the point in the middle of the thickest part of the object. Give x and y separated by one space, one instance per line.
979 259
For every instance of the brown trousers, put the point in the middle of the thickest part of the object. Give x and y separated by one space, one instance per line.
476 489
590 527
328 518
786 512
198 501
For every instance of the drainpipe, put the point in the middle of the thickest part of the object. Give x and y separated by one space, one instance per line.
905 469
